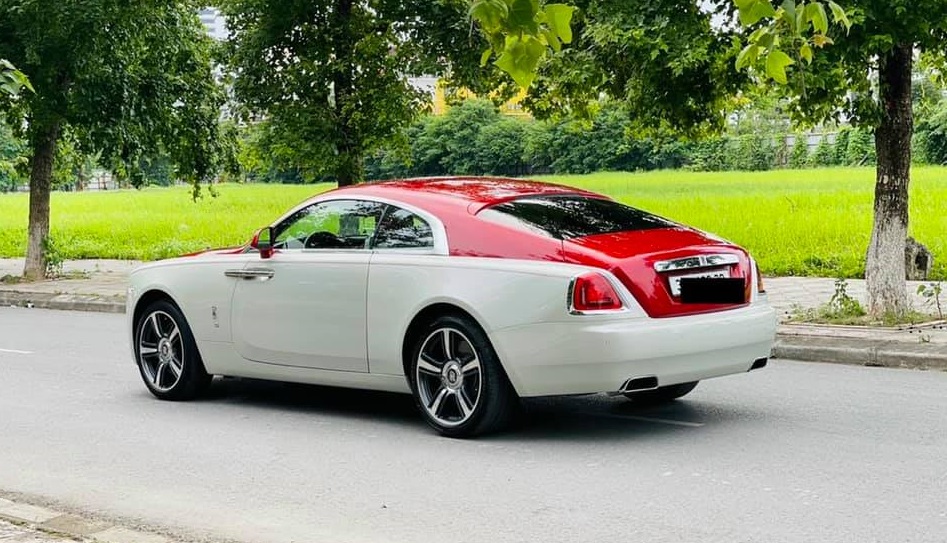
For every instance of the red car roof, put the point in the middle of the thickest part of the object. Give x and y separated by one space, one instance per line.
483 191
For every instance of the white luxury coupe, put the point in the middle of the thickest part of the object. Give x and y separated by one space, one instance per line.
468 293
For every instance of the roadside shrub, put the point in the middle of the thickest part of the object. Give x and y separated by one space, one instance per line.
841 146
861 148
799 156
500 147
931 138
824 154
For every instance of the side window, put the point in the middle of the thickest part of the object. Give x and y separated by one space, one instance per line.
336 224
401 229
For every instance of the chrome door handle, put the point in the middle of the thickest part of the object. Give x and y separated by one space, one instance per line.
251 273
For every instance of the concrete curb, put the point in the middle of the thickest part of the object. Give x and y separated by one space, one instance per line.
74 302
57 523
861 352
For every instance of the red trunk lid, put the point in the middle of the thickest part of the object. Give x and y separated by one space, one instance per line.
679 251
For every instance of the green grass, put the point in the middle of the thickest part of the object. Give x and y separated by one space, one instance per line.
796 222
809 222
152 223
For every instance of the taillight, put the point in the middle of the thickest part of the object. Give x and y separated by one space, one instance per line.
592 292
759 279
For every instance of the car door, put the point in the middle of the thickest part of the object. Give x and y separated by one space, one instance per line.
305 305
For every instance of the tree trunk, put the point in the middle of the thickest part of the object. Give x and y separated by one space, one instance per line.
348 170
44 138
884 269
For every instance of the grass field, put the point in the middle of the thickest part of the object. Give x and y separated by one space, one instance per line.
810 222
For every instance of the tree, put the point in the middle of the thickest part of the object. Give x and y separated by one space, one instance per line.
866 75
670 62
122 78
331 76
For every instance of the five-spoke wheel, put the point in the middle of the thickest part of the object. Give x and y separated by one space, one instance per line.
167 355
448 377
457 379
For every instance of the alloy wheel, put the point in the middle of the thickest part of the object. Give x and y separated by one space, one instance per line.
449 377
161 350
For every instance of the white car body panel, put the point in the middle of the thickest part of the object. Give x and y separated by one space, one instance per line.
282 321
521 305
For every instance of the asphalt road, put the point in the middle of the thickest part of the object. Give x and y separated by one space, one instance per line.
793 453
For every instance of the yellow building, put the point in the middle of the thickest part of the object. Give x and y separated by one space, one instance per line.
440 106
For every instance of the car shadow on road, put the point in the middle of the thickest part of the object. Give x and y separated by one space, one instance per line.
598 417
294 397
567 418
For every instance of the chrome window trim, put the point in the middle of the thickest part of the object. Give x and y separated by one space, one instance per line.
437 227
696 262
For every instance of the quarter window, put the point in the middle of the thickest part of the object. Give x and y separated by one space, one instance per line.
335 224
401 229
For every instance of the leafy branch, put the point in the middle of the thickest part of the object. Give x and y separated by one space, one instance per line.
521 32
789 34
12 80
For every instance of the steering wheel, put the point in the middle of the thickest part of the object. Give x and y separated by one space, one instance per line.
320 240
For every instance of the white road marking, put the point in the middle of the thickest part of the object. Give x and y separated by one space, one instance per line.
650 419
14 351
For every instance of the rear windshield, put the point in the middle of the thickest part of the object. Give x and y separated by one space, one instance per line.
572 216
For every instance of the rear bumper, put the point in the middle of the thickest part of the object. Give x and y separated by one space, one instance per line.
599 354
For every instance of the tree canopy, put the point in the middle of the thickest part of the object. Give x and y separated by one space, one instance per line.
122 79
330 77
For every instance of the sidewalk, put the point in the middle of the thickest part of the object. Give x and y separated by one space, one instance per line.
22 522
103 289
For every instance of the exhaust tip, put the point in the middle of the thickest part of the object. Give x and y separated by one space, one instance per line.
759 363
640 383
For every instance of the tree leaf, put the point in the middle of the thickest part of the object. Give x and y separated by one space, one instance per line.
756 12
552 40
776 63
520 58
485 57
789 10
489 12
839 15
522 16
815 12
559 19
821 40
747 56
806 53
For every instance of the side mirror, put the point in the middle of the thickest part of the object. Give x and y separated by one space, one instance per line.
263 242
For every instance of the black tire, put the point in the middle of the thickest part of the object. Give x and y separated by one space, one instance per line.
192 379
661 394
496 401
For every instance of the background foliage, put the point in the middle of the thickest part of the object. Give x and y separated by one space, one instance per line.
770 213
475 139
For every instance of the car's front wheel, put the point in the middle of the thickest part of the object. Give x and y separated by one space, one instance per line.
662 394
167 354
457 380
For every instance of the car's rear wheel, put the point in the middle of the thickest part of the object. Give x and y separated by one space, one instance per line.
661 394
457 380
167 355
